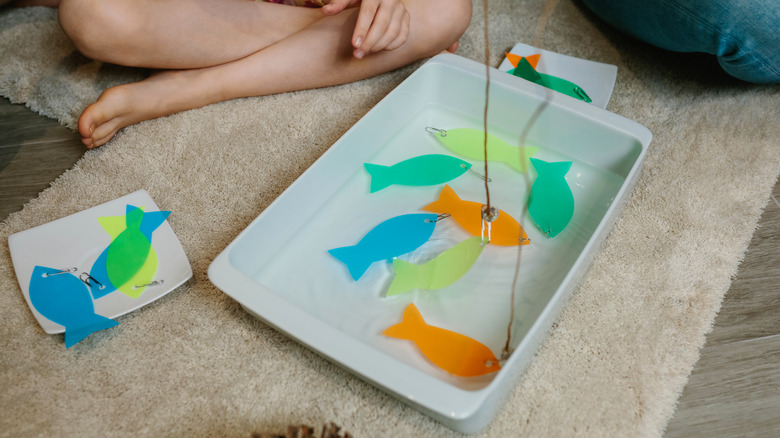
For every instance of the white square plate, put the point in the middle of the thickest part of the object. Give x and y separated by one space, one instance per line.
77 240
596 78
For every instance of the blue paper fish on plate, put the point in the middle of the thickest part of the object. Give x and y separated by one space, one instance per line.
392 238
64 298
129 262
425 170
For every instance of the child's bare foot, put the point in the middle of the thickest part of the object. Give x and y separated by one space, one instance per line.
159 95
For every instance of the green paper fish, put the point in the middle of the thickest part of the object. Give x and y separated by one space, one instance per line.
551 202
425 170
129 263
440 272
526 71
471 144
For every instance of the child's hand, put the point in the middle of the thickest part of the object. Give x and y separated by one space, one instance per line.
381 24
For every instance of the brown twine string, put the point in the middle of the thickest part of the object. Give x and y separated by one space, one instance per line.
487 98
547 11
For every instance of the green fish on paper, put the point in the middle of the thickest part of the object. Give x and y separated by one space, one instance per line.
440 272
551 202
470 143
425 170
526 71
129 263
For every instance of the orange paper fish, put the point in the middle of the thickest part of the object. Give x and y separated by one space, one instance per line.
453 352
504 231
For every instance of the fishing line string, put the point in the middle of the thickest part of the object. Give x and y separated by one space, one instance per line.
488 214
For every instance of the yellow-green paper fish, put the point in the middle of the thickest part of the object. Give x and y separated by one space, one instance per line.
440 272
471 144
129 262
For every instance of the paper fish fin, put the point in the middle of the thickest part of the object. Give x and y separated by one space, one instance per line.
557 169
526 71
96 323
447 199
410 326
354 258
407 277
533 59
380 177
114 225
514 59
151 221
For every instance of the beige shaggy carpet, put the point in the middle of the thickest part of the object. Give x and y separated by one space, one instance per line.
195 364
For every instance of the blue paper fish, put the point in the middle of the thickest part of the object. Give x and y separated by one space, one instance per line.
551 202
391 238
425 170
129 262
64 299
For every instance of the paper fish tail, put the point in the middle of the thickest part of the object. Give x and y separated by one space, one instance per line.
380 176
351 256
151 221
556 169
447 198
410 326
96 323
407 277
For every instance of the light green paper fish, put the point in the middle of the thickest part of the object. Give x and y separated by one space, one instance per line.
130 261
551 202
425 170
470 143
440 272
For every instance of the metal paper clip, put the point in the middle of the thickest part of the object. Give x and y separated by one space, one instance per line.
481 176
438 218
86 278
61 271
432 130
154 283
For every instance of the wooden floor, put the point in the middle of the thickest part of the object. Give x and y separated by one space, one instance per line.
733 391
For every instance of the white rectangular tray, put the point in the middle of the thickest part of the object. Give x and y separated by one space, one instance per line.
279 270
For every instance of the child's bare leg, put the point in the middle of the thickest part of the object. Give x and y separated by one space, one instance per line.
178 34
319 55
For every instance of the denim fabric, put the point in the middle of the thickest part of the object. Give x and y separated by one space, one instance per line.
743 34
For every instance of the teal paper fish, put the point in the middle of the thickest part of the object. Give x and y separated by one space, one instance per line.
63 298
470 143
129 263
440 272
551 202
392 238
425 170
526 71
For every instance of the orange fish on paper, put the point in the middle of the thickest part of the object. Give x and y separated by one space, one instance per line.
504 231
453 352
515 59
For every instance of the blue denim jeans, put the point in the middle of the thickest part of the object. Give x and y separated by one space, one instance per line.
743 34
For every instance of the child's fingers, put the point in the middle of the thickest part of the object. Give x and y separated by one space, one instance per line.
368 9
402 36
388 22
398 26
334 7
